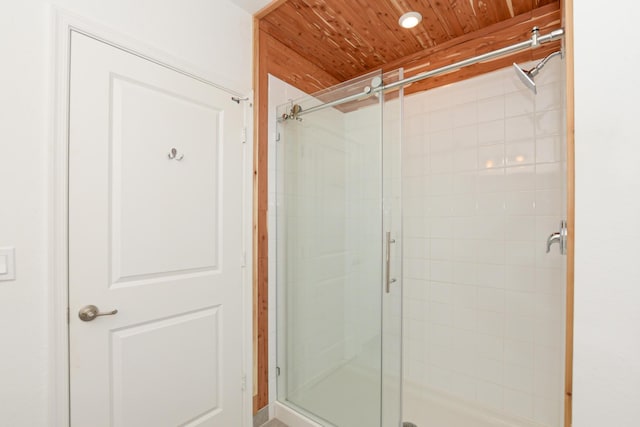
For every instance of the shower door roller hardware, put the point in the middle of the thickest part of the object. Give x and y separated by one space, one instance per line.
388 279
559 237
90 312
295 111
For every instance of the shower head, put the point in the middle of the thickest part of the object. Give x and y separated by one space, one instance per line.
527 76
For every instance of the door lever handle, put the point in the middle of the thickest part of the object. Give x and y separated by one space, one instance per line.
90 312
559 237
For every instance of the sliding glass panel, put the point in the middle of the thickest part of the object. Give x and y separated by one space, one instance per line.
392 227
331 260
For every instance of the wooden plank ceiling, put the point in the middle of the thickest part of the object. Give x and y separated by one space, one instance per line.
347 38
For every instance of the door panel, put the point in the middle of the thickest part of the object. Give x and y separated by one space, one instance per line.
140 237
158 239
198 334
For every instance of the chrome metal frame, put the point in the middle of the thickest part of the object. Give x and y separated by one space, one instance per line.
535 41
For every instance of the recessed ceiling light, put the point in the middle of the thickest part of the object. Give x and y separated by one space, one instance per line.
410 19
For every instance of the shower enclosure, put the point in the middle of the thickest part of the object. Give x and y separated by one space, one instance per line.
418 280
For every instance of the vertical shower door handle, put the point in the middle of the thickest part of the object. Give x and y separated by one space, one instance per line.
388 280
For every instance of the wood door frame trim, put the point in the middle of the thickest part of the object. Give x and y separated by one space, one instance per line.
567 10
260 234
63 24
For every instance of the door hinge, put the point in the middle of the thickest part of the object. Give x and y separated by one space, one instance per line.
243 260
244 382
277 136
244 135
277 371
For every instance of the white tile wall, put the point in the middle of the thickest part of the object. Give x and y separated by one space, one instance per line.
483 188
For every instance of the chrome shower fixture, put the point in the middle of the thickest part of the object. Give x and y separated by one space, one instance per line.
295 111
527 75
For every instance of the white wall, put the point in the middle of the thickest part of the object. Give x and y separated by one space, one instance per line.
212 37
607 283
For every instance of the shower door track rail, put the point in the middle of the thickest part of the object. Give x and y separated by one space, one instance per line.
535 41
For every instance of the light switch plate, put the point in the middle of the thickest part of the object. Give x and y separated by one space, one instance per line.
7 264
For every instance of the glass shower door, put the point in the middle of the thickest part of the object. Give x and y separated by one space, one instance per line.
331 257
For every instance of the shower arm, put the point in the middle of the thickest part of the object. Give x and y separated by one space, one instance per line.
535 70
533 42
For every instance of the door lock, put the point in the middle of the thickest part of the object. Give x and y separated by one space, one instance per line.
90 312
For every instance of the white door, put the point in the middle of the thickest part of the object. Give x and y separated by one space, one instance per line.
156 238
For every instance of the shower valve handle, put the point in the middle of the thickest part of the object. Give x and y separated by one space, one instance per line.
559 237
553 238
